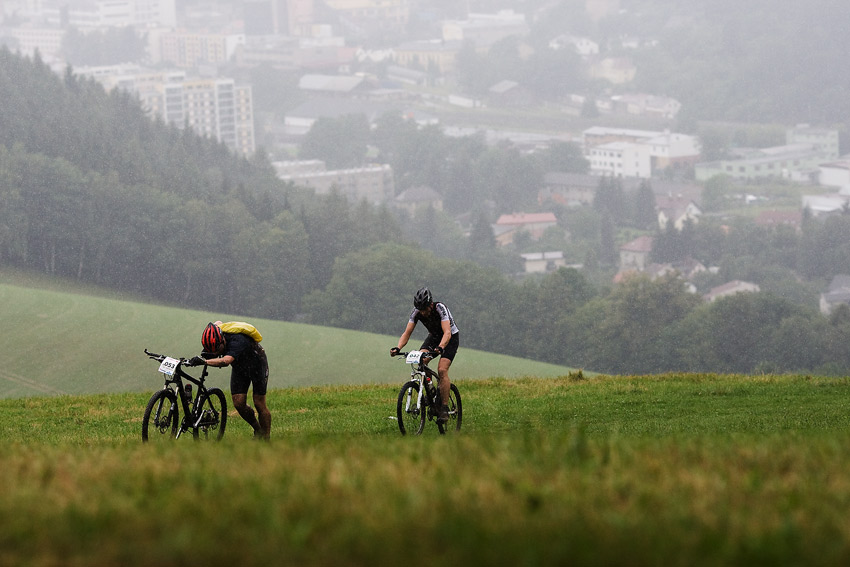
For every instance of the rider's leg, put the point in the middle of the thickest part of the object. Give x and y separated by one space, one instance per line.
264 415
240 402
445 383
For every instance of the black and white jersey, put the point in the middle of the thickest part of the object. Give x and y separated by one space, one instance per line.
434 321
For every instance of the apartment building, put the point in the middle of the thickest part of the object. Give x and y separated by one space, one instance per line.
218 108
374 183
371 15
97 14
187 49
483 30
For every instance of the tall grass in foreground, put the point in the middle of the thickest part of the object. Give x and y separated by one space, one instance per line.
670 470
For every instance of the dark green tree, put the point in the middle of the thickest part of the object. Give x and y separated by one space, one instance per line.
340 142
645 216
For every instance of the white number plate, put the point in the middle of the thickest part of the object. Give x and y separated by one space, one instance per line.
169 365
413 357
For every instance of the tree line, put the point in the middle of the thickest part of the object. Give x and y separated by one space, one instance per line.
92 189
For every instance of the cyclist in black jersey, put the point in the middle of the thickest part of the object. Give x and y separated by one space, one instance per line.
443 339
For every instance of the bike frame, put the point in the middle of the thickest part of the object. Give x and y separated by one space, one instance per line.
418 373
179 388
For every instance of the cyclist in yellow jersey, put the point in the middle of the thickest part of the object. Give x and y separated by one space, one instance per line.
250 368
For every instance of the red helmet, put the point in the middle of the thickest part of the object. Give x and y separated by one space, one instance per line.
212 338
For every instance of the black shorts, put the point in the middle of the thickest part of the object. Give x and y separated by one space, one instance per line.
451 349
254 373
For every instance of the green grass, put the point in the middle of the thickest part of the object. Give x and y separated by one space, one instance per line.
69 339
651 470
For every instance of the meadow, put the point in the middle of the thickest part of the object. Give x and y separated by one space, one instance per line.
609 470
553 466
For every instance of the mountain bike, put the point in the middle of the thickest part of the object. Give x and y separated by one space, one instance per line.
420 398
205 416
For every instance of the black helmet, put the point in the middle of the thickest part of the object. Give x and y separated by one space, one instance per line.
422 298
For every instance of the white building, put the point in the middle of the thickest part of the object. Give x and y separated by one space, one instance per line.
483 30
836 174
218 108
46 40
374 183
106 13
542 262
637 153
621 159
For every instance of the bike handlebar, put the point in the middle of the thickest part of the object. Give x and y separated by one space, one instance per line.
161 357
429 354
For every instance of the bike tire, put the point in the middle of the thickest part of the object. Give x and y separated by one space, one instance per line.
410 418
455 412
162 415
214 406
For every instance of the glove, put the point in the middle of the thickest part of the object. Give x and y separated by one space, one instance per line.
394 351
437 350
196 361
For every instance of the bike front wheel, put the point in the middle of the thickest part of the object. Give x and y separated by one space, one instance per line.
161 416
212 409
455 412
411 416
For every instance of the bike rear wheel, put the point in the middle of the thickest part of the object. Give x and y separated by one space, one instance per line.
411 417
455 412
161 416
213 408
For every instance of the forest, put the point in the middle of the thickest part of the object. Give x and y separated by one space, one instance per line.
92 189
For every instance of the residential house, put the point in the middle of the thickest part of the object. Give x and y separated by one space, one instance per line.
634 255
543 262
685 270
508 226
730 288
678 210
838 293
417 198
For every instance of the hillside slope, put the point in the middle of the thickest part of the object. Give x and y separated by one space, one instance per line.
59 342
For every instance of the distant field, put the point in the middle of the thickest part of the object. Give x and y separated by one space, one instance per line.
682 470
76 341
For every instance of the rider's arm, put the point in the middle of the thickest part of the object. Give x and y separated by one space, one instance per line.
405 336
447 333
221 361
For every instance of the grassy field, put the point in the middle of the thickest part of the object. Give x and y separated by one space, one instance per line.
66 339
650 470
